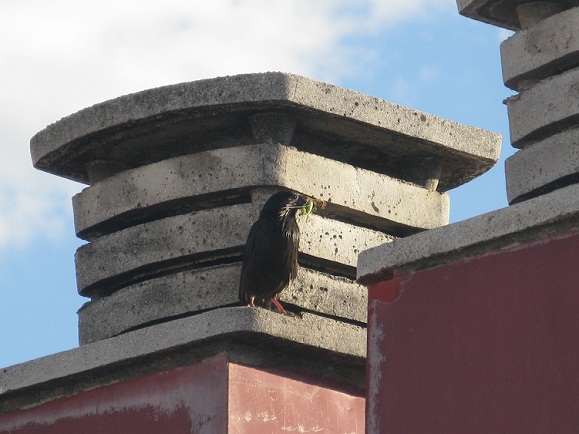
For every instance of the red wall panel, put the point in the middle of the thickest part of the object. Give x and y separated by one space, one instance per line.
488 344
212 397
185 400
280 402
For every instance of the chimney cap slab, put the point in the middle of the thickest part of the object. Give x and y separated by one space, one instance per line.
503 13
155 124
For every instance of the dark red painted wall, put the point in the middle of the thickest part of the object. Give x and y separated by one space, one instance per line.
184 400
282 402
214 396
488 344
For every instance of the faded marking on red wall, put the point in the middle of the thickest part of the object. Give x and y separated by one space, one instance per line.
285 402
484 345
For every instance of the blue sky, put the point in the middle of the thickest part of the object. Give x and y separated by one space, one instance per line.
60 56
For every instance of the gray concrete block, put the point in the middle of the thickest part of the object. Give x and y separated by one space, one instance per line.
160 298
191 291
336 241
546 49
151 349
543 166
333 296
551 213
154 248
544 109
167 245
360 195
503 13
533 13
357 129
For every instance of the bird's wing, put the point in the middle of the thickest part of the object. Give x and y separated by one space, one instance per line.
263 266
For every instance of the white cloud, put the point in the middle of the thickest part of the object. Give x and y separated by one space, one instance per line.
26 213
59 56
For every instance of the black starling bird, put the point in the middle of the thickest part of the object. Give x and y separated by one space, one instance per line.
270 258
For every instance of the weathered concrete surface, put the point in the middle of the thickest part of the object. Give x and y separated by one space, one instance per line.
206 178
188 292
152 348
354 128
166 245
162 245
551 212
543 166
163 298
498 12
273 128
334 296
335 241
503 13
544 109
531 13
546 49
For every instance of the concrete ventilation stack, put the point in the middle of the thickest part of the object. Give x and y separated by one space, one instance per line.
472 327
178 174
540 62
176 177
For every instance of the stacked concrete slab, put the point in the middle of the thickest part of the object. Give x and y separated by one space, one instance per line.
540 62
176 177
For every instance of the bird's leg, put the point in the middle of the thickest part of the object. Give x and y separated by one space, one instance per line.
279 306
252 301
282 310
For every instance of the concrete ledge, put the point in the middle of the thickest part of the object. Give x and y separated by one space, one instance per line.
550 213
106 361
351 127
191 291
543 166
549 107
190 181
168 245
333 296
500 13
546 49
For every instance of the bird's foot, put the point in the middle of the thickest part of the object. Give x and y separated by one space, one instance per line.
283 311
293 315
